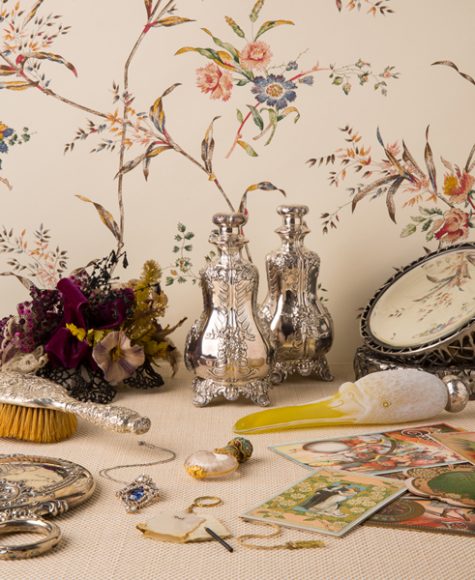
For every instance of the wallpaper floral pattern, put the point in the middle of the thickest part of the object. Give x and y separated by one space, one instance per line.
243 65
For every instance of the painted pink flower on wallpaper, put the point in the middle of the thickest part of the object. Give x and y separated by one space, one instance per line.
211 79
246 67
444 207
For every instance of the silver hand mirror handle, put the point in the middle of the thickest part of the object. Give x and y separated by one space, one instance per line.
50 536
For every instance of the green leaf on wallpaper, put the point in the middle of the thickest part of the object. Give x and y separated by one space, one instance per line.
106 217
217 57
269 24
157 114
181 227
242 83
151 152
235 26
239 116
427 225
429 159
258 120
189 235
188 248
226 45
207 148
254 15
247 148
53 58
169 281
176 249
287 111
32 12
173 21
408 230
261 186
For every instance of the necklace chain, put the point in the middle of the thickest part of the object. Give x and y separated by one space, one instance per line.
105 472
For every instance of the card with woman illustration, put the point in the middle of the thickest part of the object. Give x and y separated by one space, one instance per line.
376 453
330 501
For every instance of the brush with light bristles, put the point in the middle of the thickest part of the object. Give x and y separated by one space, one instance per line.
36 409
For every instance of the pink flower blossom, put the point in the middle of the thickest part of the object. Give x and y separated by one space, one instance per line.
452 227
211 79
255 56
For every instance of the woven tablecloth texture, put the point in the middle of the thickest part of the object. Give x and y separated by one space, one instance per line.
101 541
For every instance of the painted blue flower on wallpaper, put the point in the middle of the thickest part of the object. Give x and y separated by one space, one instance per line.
250 65
9 138
274 91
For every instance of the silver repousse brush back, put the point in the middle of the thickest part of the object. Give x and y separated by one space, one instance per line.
226 347
301 328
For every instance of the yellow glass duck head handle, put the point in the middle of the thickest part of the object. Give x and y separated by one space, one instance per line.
394 396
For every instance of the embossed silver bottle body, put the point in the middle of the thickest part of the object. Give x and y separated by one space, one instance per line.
301 328
227 347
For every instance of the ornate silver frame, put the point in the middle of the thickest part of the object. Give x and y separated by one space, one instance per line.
366 362
22 504
455 348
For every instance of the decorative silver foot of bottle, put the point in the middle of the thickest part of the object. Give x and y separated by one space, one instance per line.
227 347
301 328
206 390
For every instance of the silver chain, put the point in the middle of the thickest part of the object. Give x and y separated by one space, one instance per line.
105 472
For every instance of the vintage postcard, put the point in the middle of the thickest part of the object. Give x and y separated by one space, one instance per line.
454 484
462 443
330 501
375 453
425 514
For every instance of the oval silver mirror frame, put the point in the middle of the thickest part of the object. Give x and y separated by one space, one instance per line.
32 487
457 347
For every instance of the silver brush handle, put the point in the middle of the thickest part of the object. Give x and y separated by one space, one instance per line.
28 390
118 419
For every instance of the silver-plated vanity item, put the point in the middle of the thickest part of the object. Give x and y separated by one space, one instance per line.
425 313
33 487
366 362
227 348
28 390
301 327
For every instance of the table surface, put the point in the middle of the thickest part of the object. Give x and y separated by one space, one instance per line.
101 540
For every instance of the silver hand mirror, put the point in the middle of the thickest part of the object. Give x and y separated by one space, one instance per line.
33 487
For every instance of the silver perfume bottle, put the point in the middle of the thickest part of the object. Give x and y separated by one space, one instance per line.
227 347
301 328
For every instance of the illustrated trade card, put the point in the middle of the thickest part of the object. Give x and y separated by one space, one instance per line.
462 443
330 501
375 453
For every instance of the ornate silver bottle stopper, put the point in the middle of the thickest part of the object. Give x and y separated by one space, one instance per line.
301 328
227 348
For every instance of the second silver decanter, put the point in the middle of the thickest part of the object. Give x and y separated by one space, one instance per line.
301 328
227 348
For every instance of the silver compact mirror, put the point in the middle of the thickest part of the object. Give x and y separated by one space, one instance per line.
425 313
33 487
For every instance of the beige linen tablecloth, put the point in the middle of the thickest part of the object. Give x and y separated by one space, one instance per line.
101 541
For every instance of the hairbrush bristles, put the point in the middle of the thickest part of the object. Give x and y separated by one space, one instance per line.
36 424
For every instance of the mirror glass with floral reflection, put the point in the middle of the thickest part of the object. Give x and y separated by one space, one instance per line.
427 303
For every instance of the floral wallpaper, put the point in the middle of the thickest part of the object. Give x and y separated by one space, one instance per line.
147 117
